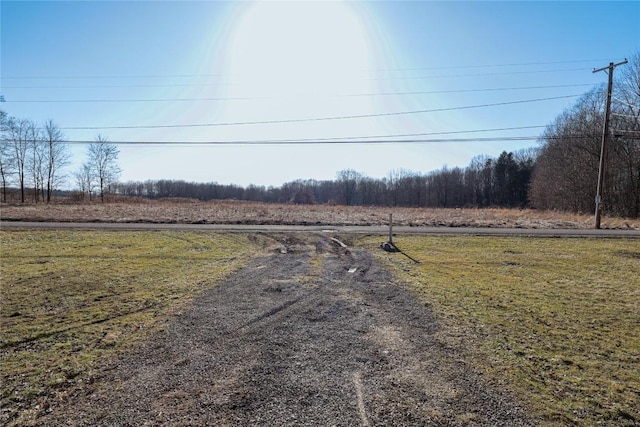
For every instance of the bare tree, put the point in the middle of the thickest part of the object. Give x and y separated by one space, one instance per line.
57 156
21 134
85 180
394 185
566 171
7 163
102 158
625 146
348 183
36 161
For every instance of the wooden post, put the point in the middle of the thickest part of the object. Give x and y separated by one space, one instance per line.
605 138
391 228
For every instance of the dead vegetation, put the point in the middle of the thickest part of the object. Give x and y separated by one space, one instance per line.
187 211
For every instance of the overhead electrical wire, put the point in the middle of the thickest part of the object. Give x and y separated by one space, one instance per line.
234 98
360 139
521 64
365 137
631 116
200 84
401 135
250 98
332 142
479 74
314 119
450 67
435 92
625 102
625 130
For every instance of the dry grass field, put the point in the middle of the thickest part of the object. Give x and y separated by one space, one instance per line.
557 321
70 299
238 212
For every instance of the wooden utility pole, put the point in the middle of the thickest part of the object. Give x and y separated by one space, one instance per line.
605 139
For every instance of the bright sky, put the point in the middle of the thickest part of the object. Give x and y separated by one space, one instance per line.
218 72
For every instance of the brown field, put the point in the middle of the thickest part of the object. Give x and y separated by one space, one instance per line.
237 212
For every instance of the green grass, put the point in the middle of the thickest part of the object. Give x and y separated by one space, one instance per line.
557 321
69 298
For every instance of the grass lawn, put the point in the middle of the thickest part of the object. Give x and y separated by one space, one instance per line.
71 297
557 321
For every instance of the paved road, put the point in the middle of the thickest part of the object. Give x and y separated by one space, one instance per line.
374 229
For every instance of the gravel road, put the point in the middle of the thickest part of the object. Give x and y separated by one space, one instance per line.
311 334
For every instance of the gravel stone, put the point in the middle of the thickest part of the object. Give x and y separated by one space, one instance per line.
283 342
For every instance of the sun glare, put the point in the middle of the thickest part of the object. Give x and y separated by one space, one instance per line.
295 48
303 57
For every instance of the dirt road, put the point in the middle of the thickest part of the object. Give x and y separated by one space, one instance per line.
312 334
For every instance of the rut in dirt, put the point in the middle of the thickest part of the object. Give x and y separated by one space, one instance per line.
311 335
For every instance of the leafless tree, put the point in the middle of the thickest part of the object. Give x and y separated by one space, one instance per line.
7 163
102 158
348 182
36 162
21 135
85 180
57 156
566 170
397 185
625 146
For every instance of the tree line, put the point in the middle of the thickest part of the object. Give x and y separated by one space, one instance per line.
561 173
485 182
566 172
33 157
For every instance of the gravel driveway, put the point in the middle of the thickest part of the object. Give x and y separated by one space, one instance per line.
312 334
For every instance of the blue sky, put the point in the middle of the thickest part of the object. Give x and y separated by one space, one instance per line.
179 71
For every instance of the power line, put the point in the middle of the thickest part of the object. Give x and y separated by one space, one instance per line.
625 102
365 137
147 76
115 86
336 142
637 116
619 131
314 119
521 64
240 82
473 90
235 98
249 98
479 74
406 135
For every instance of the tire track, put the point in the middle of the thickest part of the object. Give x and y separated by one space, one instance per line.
288 341
357 382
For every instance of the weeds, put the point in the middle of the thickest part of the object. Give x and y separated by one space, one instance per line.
187 211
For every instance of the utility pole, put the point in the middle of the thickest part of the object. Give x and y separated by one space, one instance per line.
605 139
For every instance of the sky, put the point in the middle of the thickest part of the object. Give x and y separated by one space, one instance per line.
269 92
